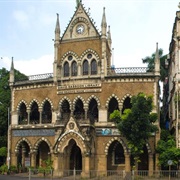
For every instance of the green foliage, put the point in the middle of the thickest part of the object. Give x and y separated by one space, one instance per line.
115 116
167 151
150 61
3 151
5 98
136 124
13 169
4 169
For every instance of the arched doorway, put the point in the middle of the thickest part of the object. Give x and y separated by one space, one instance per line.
115 158
23 156
75 157
43 154
143 164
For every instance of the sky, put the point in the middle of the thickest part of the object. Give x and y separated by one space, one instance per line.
27 29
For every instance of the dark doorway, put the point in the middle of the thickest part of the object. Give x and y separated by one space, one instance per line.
75 157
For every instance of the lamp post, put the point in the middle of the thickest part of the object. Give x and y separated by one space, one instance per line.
8 147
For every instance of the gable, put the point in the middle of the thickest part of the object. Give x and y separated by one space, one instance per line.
80 26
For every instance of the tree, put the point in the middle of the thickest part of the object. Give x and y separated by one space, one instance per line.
136 124
150 61
5 99
167 150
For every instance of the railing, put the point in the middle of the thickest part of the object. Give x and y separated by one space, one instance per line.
36 77
127 70
103 175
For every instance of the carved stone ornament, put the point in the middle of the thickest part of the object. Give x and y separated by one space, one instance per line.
71 125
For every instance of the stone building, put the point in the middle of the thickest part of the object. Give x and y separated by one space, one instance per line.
65 115
171 86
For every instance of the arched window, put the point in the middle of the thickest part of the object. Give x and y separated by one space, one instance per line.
34 115
126 104
93 67
66 69
113 105
22 114
119 157
46 114
65 110
93 111
74 69
85 67
79 110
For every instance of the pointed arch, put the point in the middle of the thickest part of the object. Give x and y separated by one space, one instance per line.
35 100
126 150
20 142
126 102
74 68
90 51
93 110
94 97
46 111
113 103
67 54
93 67
66 69
113 96
49 100
34 112
76 99
65 138
65 108
38 142
22 112
78 108
85 67
22 101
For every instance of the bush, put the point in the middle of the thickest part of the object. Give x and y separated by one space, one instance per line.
4 169
13 169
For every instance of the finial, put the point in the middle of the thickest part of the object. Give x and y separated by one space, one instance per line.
157 51
179 5
12 64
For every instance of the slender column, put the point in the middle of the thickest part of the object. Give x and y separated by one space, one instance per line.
151 164
33 159
28 117
40 115
127 162
85 109
79 69
23 157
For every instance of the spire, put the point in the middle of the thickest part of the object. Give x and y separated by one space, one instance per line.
109 37
78 2
103 23
157 61
12 65
11 78
57 29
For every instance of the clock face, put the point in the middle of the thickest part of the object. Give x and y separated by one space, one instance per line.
80 29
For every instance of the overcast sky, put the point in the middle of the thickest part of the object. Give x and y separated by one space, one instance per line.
27 29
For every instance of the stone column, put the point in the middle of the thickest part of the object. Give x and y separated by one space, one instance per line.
33 159
102 164
151 164
28 117
85 113
102 114
40 115
58 164
14 159
86 166
127 163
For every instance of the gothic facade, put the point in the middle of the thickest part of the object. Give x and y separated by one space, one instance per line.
65 116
